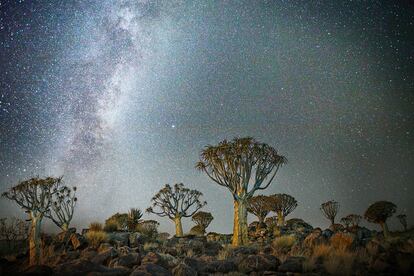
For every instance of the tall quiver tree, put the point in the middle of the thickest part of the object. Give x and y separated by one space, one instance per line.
243 166
282 205
257 205
379 212
175 203
35 197
330 210
63 206
202 220
403 220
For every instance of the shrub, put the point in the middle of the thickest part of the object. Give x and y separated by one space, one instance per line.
283 244
225 253
95 238
95 226
121 220
163 236
110 226
148 228
339 262
341 241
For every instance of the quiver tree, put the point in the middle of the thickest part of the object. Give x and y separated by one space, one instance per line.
379 212
346 222
175 203
354 219
282 205
330 209
403 220
257 205
35 197
63 206
202 221
134 217
243 166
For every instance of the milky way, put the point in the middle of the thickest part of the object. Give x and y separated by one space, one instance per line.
121 96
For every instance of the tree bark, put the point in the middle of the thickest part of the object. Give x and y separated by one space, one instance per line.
65 227
385 230
240 236
178 227
280 219
34 241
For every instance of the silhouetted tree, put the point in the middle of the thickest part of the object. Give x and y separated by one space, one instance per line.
236 165
134 217
13 230
354 219
282 205
403 220
346 221
329 210
202 221
62 207
175 203
379 212
35 197
257 205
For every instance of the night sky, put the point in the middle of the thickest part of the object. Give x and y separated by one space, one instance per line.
121 96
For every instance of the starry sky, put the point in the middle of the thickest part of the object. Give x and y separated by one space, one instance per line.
119 97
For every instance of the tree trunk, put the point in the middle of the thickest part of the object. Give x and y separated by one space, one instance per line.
65 227
333 221
385 230
240 223
178 227
280 219
34 240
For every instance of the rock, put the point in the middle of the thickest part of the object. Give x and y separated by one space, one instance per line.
129 260
105 257
183 270
153 258
78 267
327 233
119 238
88 254
313 238
222 266
194 263
168 260
135 239
292 264
258 263
78 241
124 250
116 271
150 269
38 270
362 235
244 250
64 237
104 246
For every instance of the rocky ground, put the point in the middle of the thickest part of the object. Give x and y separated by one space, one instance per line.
296 249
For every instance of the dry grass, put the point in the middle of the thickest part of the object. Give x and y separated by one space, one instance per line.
95 226
283 244
151 246
225 253
111 226
341 241
339 262
95 238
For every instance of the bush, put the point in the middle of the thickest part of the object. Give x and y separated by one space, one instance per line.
341 241
148 228
283 244
111 226
95 238
95 226
225 253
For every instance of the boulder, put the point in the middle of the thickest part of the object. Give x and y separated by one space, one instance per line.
38 270
194 263
327 233
78 241
183 270
150 269
245 250
129 260
292 264
258 263
78 267
119 238
222 266
104 257
153 258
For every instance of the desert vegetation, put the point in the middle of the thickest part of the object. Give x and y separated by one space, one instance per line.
128 243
